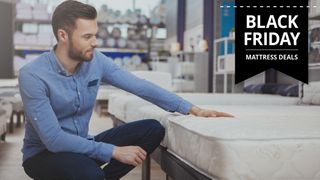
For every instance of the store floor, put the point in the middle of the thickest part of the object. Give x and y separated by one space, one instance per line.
10 154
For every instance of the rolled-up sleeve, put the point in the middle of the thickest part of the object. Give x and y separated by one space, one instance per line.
153 93
40 114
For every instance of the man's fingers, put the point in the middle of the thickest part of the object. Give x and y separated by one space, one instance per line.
138 160
134 163
141 156
135 160
223 114
142 151
213 113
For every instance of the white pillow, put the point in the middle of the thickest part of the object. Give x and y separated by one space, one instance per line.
311 93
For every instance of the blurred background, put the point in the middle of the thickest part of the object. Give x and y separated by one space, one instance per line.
192 40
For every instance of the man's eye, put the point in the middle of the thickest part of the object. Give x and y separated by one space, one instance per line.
87 36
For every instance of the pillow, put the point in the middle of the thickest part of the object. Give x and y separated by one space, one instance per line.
311 93
253 88
274 88
289 90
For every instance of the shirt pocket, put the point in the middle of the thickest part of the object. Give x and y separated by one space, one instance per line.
92 86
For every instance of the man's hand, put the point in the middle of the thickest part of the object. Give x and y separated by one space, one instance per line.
208 113
133 155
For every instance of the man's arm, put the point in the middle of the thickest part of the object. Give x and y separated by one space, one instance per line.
153 93
168 101
41 116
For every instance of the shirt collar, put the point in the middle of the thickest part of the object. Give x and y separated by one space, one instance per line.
57 66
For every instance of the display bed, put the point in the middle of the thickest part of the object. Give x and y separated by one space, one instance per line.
251 111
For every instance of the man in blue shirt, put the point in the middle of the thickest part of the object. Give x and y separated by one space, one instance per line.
58 90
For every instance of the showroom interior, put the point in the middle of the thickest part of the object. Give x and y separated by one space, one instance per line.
186 47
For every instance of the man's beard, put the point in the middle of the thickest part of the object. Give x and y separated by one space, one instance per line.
77 55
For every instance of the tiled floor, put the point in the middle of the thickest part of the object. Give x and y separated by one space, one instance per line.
10 155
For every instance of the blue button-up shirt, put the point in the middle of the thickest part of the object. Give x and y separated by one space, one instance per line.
58 106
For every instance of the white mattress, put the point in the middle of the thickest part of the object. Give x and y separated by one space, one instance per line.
5 113
7 107
238 99
117 104
8 82
125 106
13 96
104 92
262 142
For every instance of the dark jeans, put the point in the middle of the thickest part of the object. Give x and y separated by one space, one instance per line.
66 165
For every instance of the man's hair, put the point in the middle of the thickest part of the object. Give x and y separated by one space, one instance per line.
65 15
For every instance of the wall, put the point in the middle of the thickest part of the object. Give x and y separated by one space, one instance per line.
6 37
171 18
194 24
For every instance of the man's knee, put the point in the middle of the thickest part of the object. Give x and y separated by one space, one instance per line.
156 128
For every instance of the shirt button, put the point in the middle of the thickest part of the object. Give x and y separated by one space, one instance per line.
78 93
35 119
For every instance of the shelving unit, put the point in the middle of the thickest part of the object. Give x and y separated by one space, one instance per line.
33 49
314 41
314 47
224 65
34 36
121 37
184 80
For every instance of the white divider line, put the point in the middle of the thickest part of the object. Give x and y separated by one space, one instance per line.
268 6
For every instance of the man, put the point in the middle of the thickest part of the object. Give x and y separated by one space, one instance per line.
58 90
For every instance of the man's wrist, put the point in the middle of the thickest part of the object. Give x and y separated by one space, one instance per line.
194 110
114 152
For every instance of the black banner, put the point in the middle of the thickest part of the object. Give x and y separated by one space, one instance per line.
271 34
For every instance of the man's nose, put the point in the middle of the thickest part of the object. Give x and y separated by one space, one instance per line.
94 42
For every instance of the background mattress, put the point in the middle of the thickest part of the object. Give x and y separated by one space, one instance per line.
117 105
125 106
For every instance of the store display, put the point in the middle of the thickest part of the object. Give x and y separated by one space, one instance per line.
118 61
120 35
40 12
132 44
103 32
314 50
24 11
116 33
136 60
110 42
103 14
100 42
121 43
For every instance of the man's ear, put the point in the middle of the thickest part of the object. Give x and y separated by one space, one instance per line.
62 35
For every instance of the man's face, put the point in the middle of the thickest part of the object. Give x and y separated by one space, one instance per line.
83 40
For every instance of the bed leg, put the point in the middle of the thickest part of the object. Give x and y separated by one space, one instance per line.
11 123
146 169
3 137
19 114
